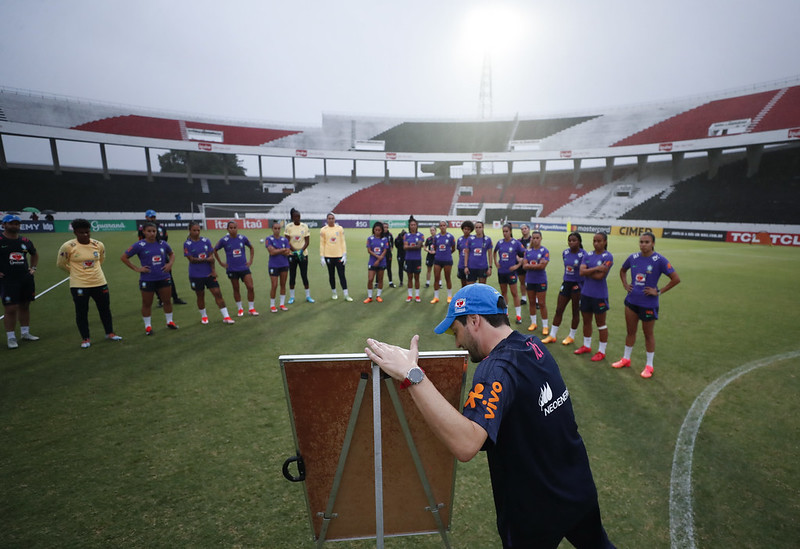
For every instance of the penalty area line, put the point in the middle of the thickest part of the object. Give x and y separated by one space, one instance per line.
56 285
681 520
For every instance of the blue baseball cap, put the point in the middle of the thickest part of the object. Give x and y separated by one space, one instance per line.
475 299
8 218
150 213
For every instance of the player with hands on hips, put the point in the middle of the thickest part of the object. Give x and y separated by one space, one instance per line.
642 301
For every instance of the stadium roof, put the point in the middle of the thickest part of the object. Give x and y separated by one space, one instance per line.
766 114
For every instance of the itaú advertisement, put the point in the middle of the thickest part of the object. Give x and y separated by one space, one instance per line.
764 237
221 223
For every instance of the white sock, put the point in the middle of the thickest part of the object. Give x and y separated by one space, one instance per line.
308 293
369 293
224 312
24 330
283 300
380 290
533 319
628 352
291 293
436 294
238 304
573 332
410 293
417 292
587 342
544 323
203 312
148 321
449 293
169 317
271 302
554 331
345 293
251 304
649 359
11 335
602 348
518 311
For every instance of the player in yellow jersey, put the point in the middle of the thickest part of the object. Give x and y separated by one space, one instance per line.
82 257
333 254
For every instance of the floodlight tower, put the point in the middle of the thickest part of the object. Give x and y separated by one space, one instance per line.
485 101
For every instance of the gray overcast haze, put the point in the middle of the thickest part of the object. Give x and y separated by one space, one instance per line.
289 62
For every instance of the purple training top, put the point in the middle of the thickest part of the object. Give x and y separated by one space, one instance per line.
414 238
507 254
200 249
478 249
572 265
596 288
536 256
443 243
645 272
377 246
234 251
277 242
154 255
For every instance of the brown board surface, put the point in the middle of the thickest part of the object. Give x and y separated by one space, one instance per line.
321 391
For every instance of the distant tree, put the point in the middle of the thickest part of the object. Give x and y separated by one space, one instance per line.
200 162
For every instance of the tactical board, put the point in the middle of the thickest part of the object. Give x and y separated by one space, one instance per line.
330 400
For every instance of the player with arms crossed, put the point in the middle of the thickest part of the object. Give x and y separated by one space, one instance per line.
279 251
519 411
237 266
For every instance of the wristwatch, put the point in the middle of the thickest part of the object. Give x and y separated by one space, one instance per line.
415 375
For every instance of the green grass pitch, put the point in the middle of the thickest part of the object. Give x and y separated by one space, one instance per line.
177 440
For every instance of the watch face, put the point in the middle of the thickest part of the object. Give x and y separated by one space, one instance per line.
415 375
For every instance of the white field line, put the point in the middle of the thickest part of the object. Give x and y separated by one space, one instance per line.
56 285
681 521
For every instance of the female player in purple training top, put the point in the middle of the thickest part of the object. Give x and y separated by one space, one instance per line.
646 268
156 258
536 259
200 252
477 263
413 241
279 251
570 289
594 295
444 245
378 246
237 267
525 240
509 263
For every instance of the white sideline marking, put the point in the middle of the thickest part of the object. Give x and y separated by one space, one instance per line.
681 523
56 285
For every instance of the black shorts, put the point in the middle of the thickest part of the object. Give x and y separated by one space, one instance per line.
538 287
201 283
238 275
475 274
13 292
507 278
276 271
376 268
154 285
442 262
594 305
460 274
429 260
413 266
645 314
569 288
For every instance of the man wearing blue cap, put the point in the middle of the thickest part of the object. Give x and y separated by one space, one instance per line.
18 261
161 234
519 412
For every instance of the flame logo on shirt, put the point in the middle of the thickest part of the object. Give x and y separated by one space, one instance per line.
545 395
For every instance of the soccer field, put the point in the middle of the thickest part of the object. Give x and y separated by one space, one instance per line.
177 440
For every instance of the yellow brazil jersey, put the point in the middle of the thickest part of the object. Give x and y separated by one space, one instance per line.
83 263
297 235
331 241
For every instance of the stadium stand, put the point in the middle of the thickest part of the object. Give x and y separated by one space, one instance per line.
401 196
695 123
87 190
771 196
